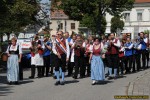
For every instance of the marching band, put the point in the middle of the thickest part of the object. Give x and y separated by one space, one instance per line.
106 58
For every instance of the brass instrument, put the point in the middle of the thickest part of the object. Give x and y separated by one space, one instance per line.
78 43
34 47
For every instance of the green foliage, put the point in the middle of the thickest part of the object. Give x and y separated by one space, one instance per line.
16 15
116 23
93 10
147 31
90 22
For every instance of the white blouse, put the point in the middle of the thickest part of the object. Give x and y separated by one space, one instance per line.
10 48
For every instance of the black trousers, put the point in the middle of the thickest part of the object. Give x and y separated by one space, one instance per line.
143 54
137 61
52 62
107 60
128 63
79 63
60 63
40 70
20 72
46 65
70 68
87 66
113 61
147 58
134 62
121 65
32 70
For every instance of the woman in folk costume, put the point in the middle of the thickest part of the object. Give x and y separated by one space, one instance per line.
37 57
97 66
61 49
14 52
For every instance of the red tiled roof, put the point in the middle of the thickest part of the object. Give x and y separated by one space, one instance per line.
142 1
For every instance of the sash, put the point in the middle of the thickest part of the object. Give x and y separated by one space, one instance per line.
61 45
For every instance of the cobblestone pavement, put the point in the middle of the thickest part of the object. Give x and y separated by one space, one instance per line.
141 85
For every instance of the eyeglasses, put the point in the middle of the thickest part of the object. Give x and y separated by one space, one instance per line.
58 34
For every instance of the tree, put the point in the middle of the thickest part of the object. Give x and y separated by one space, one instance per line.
16 14
116 23
89 21
77 9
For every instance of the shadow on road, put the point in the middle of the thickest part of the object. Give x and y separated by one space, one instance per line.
5 90
103 82
3 79
71 81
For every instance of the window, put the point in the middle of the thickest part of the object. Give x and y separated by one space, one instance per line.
72 26
139 16
61 26
127 16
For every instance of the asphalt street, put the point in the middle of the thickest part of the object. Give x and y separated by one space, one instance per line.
80 89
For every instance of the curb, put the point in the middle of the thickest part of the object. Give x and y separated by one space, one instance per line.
131 84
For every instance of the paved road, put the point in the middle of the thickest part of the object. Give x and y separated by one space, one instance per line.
80 89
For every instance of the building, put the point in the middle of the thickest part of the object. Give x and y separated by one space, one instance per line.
59 19
136 20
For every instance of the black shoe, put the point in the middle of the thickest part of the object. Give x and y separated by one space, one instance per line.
62 83
9 83
68 75
115 77
75 77
82 77
46 75
110 77
39 77
54 77
31 77
57 83
133 71
16 83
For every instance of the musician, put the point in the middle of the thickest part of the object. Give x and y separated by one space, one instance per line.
72 64
61 49
147 50
107 54
121 57
114 58
69 63
46 55
128 55
143 42
79 49
136 55
36 57
14 53
88 50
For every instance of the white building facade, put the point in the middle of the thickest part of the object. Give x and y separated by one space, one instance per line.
137 20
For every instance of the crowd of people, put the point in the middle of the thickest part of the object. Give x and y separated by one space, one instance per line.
108 57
